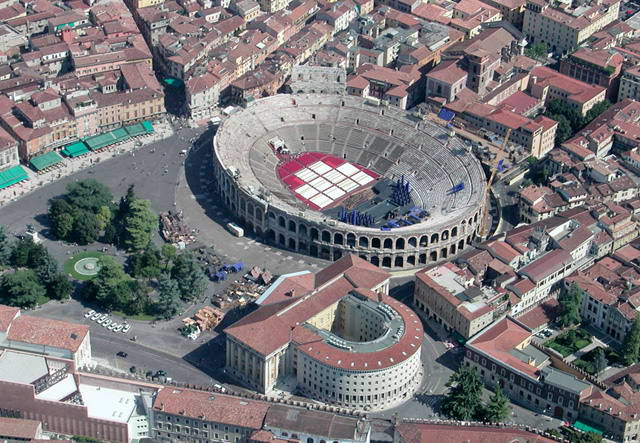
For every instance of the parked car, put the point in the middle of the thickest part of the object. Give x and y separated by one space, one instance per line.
133 369
89 314
118 328
107 322
112 326
96 316
122 354
161 373
126 328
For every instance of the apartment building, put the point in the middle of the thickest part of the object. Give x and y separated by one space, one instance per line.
398 88
547 84
450 296
563 30
596 67
503 355
630 84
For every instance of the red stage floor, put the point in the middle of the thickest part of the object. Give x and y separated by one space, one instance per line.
321 180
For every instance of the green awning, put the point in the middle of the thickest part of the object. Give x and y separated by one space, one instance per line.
45 160
99 141
12 176
135 130
147 126
75 149
119 135
584 427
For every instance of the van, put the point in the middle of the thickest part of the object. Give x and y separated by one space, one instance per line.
235 229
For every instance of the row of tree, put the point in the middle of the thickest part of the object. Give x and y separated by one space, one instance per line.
34 276
569 120
177 278
87 213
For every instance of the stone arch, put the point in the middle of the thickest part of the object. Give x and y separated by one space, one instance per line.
452 249
445 235
281 222
271 215
325 253
326 236
351 239
292 243
400 243
337 253
388 244
363 242
292 226
281 239
424 241
475 217
413 242
313 250
443 253
434 238
302 229
271 235
433 256
338 239
398 262
422 259
386 262
258 214
375 243
411 260
314 234
471 221
375 260
454 231
461 244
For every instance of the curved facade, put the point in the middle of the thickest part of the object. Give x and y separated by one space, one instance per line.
388 141
351 374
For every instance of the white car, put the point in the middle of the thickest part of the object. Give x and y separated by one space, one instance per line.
112 326
95 316
126 328
89 314
107 323
104 321
118 328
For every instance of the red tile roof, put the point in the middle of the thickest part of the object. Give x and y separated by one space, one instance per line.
47 332
440 433
541 315
7 314
497 342
211 407
20 429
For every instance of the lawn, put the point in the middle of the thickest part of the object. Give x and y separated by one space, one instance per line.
140 317
571 341
69 264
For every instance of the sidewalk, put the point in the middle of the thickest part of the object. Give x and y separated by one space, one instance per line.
69 166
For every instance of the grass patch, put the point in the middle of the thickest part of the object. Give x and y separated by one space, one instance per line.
69 264
139 317
571 341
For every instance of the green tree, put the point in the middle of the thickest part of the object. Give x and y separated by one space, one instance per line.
570 304
463 401
600 361
168 254
110 287
60 287
138 225
145 264
596 110
47 269
168 297
86 228
88 195
5 247
62 217
189 275
631 346
22 289
564 131
498 407
536 50
26 253
138 298
103 217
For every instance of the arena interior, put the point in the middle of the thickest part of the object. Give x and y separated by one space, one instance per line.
329 175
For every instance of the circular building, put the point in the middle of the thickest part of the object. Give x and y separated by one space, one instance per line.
328 175
371 362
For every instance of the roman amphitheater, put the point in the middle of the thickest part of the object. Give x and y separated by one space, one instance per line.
328 175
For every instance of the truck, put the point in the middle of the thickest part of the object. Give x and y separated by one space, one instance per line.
235 229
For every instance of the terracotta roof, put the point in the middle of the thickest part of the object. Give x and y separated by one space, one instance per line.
19 428
47 332
547 265
210 406
314 422
542 314
359 272
441 433
498 340
7 314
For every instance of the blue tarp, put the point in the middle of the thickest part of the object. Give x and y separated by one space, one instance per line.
457 188
446 115
236 267
501 166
